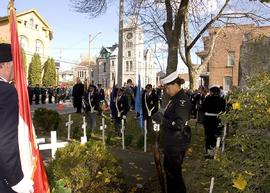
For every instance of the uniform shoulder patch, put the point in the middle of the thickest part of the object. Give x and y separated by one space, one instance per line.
182 102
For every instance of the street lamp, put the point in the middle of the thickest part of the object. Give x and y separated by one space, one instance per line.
90 41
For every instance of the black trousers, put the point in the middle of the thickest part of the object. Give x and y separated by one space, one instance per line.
173 159
212 130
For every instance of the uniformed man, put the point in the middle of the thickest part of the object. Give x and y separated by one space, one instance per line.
174 121
213 105
149 105
43 92
91 105
121 109
77 94
11 174
50 94
37 94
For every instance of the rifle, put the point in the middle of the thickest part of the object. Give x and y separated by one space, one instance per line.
158 161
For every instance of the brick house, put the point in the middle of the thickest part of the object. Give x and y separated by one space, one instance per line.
223 66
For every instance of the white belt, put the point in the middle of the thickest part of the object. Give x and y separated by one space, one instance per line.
211 114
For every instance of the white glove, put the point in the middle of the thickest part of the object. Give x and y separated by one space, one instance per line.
124 117
24 186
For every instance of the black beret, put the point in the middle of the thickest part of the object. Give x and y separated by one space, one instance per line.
215 89
148 86
5 53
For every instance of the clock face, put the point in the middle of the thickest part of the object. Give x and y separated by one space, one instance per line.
129 35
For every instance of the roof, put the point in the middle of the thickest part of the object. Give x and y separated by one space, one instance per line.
48 27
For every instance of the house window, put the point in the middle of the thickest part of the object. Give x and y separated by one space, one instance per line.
25 23
31 23
129 53
112 63
227 83
131 66
231 58
39 47
127 66
23 42
113 76
36 26
104 67
92 73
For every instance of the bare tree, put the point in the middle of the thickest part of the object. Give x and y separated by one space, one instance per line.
181 24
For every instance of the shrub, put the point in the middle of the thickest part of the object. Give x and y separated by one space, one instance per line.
128 139
140 142
85 169
46 119
244 167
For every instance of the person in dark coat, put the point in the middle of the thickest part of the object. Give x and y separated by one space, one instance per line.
91 105
30 94
213 105
50 94
11 175
121 107
149 106
77 94
43 92
174 122
37 94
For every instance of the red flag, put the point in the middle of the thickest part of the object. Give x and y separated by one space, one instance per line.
31 161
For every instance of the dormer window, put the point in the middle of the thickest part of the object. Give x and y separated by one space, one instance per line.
31 23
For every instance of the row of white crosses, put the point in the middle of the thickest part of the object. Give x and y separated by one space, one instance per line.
53 145
219 140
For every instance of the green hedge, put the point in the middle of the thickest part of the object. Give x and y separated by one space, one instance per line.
46 119
85 169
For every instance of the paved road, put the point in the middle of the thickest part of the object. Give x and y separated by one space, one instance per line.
67 107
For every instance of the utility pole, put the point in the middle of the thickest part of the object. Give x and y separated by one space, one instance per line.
120 45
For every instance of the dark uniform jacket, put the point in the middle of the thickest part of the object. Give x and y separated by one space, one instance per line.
93 100
214 104
10 165
150 102
77 93
176 115
121 103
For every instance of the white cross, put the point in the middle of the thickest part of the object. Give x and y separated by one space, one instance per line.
145 135
40 140
224 137
212 185
53 145
84 138
123 133
217 147
68 124
102 128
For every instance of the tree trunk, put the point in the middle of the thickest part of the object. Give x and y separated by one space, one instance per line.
172 59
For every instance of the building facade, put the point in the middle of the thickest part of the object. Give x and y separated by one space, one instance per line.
35 34
223 66
136 60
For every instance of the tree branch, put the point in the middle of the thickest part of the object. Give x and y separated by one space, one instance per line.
208 25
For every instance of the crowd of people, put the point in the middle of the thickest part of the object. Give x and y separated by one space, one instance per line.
203 104
42 95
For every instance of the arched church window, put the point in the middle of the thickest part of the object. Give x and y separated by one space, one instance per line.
23 42
39 47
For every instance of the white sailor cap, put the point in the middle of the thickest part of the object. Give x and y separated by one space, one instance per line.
172 77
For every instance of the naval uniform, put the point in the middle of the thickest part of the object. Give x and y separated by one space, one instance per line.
10 165
149 107
121 110
91 105
177 139
212 106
